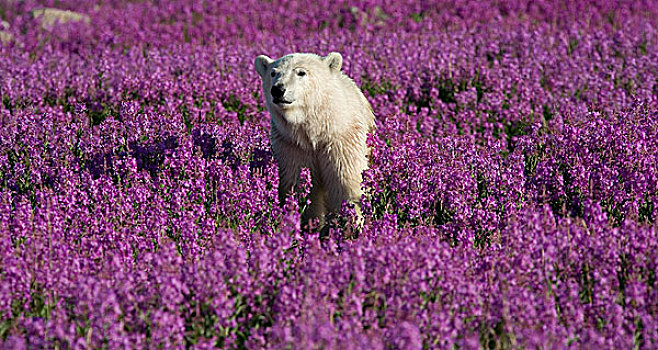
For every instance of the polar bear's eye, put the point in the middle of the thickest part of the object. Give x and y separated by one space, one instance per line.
273 74
301 72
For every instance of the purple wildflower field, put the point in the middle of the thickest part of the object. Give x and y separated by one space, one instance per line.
511 201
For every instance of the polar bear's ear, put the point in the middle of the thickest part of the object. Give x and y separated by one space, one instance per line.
261 63
334 60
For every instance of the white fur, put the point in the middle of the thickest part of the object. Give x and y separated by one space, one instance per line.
324 128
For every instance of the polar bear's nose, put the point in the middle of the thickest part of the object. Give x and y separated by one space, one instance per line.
278 91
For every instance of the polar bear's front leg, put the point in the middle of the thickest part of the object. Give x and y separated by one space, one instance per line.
342 176
317 208
289 164
290 161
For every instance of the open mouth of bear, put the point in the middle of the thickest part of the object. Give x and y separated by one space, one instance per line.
280 101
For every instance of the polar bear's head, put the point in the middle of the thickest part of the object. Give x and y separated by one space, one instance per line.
288 80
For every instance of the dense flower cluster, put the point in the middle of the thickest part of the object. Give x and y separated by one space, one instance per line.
511 200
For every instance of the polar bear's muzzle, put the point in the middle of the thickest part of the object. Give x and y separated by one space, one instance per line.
278 92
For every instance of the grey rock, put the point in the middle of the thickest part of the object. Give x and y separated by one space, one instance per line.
50 16
5 37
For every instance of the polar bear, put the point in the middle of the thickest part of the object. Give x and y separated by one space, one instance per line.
319 120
